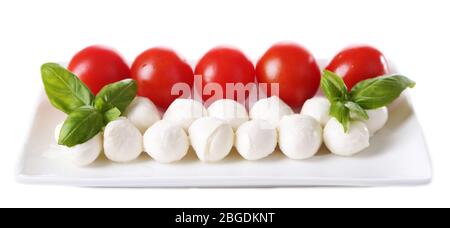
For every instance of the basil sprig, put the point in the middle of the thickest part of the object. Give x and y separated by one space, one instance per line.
341 113
378 92
87 115
64 90
333 87
368 94
111 115
80 126
117 95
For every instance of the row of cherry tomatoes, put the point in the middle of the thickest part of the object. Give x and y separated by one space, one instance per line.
156 70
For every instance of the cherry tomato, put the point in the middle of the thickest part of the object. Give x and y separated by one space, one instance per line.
98 66
156 71
358 63
224 65
294 69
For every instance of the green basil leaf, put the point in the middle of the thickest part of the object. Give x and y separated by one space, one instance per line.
116 95
339 111
356 110
333 86
111 115
378 92
64 90
80 126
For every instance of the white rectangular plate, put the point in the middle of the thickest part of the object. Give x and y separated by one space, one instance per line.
397 156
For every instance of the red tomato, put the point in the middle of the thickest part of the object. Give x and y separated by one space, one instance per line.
98 66
358 63
294 69
224 65
156 70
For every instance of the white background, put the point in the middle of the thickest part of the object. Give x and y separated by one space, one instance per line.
415 34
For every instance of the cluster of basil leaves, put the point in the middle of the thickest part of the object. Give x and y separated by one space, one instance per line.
366 95
87 114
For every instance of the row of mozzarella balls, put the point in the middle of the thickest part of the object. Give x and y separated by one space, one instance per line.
214 131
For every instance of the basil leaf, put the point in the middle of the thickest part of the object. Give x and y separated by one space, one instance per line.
111 115
378 92
80 126
116 95
64 90
339 111
333 86
356 110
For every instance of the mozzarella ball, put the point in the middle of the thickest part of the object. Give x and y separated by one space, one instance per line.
318 108
271 109
142 113
122 141
229 111
166 142
256 139
300 136
82 154
185 111
58 131
377 119
211 138
346 144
